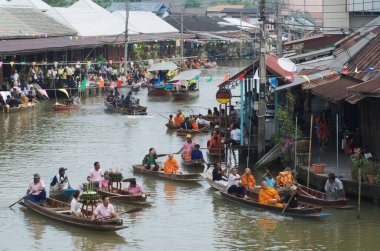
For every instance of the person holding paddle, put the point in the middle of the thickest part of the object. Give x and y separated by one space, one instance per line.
149 161
291 199
104 210
36 191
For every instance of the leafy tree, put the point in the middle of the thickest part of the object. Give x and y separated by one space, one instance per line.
192 3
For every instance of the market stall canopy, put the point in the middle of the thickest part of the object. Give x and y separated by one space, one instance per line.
145 22
187 75
163 66
88 5
35 4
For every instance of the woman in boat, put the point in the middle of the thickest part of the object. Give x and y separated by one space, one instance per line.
75 206
178 119
233 184
291 199
194 124
133 188
209 112
149 161
268 178
187 147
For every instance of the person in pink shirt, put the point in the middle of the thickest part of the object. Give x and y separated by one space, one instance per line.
36 191
104 184
187 146
133 188
104 209
96 175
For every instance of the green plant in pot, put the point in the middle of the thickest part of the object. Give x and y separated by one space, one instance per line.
370 171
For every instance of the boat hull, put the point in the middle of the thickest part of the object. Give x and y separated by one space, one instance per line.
185 95
221 185
65 107
128 199
184 132
315 197
85 222
139 110
158 92
20 108
191 177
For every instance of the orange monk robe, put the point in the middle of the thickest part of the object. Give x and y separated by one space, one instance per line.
213 141
178 120
195 126
248 181
171 165
269 193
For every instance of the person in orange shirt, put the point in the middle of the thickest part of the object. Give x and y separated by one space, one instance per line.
195 125
247 180
269 195
171 165
215 140
178 119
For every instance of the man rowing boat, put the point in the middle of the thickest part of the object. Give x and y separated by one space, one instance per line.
36 191
104 210
149 161
187 147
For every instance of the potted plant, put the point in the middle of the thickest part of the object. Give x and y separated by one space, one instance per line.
370 171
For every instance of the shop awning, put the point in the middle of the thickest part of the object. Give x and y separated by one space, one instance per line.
187 75
164 66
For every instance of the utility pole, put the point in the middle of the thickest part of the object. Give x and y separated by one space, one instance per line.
263 80
183 9
279 21
126 38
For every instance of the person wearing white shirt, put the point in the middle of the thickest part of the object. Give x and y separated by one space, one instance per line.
75 206
202 122
233 184
235 135
104 210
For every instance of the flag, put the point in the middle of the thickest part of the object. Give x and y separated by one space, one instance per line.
370 69
119 83
84 83
226 76
306 78
11 63
209 80
356 70
158 81
345 69
256 77
241 76
64 91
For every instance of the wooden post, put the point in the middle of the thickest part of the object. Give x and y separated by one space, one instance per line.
310 143
220 132
359 192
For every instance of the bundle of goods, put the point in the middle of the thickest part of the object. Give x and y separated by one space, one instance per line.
115 176
89 196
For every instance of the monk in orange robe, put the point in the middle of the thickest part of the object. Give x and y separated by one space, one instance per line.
178 119
171 165
195 125
269 195
247 180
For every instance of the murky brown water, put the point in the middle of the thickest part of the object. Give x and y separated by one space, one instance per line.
184 216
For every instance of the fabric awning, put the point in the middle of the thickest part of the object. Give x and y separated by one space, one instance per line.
165 66
187 75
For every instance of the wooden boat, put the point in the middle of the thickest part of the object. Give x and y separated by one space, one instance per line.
60 107
305 211
315 197
158 91
62 194
185 177
184 132
219 185
193 163
172 126
21 108
185 94
128 199
216 151
60 211
138 110
187 83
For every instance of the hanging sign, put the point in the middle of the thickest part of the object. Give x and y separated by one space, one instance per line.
223 96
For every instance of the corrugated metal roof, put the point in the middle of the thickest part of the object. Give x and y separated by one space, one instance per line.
29 23
193 23
366 88
20 46
155 7
335 91
275 68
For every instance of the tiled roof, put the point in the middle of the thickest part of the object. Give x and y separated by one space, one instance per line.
29 23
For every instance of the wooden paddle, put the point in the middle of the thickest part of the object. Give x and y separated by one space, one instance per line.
17 201
126 195
131 211
287 204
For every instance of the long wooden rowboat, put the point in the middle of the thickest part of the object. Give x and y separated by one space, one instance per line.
139 110
60 211
65 107
172 126
62 194
21 108
218 185
158 92
306 211
315 197
193 163
185 177
184 132
128 199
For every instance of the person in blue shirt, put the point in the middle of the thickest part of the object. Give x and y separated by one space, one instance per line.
197 154
268 178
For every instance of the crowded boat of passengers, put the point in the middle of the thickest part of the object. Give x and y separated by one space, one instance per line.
18 100
124 104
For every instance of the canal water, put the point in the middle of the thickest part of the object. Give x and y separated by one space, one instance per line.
183 216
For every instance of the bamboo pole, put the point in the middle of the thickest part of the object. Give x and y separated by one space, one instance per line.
295 145
310 143
359 192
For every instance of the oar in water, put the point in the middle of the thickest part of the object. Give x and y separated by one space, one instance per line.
131 211
17 201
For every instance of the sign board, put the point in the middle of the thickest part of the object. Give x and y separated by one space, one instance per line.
223 96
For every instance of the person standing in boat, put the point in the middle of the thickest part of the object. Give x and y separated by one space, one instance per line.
149 161
197 154
96 175
60 181
187 147
36 191
334 188
233 184
105 209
